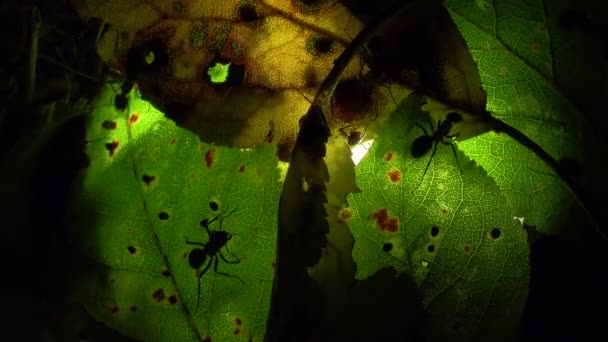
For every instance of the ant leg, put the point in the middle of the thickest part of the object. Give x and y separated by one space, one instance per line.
419 126
455 156
222 273
194 243
225 217
198 292
226 260
430 159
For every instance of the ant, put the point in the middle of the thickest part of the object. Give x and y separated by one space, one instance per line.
422 145
211 251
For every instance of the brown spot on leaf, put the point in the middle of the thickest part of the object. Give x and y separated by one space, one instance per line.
159 295
133 308
132 249
111 147
444 211
345 215
468 248
148 179
535 48
209 158
237 331
166 273
173 299
274 264
242 168
388 156
114 309
238 321
207 339
109 124
173 141
503 70
133 118
394 176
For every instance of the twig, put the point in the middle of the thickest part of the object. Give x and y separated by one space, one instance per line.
68 68
31 84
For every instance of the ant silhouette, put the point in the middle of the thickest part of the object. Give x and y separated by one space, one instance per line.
422 145
211 251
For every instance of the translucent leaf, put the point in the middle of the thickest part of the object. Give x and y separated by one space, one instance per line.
452 232
148 187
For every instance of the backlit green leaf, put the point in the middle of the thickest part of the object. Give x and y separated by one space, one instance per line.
147 189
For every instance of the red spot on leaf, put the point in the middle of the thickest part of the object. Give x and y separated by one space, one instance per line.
384 222
173 141
392 225
238 321
159 295
111 147
394 176
114 309
388 156
209 158
133 118
242 168
468 248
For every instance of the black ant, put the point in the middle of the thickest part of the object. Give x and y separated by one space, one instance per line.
422 145
210 251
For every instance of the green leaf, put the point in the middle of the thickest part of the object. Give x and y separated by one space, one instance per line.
472 269
511 45
147 189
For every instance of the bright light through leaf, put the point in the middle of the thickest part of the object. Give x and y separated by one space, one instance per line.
218 73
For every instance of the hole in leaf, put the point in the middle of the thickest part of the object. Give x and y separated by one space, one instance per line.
434 231
387 247
495 233
430 248
149 57
132 249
